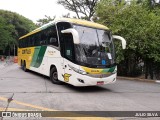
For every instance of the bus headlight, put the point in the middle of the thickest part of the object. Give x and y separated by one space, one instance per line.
77 70
82 72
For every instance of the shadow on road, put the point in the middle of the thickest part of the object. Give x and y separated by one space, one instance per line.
87 89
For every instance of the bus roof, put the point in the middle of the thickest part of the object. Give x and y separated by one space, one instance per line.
84 23
73 21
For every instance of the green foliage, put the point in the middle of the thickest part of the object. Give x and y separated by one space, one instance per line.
45 20
12 26
137 24
5 33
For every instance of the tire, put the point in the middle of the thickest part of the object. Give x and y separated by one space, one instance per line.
54 76
24 67
21 65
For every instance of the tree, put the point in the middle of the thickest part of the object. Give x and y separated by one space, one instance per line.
5 33
84 7
13 26
45 20
22 25
139 25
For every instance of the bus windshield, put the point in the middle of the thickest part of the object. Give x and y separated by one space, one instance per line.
95 48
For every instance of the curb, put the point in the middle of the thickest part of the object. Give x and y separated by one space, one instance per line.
138 79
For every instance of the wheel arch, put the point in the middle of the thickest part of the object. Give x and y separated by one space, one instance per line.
52 66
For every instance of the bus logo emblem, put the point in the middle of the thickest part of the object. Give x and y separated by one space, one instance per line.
66 77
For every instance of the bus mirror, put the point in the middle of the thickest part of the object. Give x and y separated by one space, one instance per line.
121 39
74 34
53 40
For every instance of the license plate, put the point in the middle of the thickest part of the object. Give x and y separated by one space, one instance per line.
100 83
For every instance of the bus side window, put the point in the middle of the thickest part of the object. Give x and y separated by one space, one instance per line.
43 40
68 46
31 41
52 36
25 42
37 39
65 45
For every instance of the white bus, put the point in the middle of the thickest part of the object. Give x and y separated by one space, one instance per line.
73 51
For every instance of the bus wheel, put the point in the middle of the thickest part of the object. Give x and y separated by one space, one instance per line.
21 65
24 67
54 76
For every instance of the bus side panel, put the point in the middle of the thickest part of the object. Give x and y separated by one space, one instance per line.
38 58
35 56
54 59
44 58
25 54
29 56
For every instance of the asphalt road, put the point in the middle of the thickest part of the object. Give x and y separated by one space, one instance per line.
33 91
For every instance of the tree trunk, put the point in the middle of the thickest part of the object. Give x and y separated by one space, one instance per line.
146 69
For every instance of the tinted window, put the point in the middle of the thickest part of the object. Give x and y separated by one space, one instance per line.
52 38
67 46
44 37
66 41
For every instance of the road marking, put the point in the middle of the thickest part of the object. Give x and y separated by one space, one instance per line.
12 109
26 104
84 117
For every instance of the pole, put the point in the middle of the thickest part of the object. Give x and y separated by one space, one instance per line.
14 50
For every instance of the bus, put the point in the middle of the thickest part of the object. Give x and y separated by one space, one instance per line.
74 51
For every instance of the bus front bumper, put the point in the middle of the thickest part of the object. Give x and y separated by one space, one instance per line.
84 80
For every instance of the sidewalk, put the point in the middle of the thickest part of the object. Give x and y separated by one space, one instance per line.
138 79
2 64
5 63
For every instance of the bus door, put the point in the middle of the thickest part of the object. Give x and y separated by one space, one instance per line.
68 55
66 48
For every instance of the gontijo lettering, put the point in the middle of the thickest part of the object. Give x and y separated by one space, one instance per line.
26 51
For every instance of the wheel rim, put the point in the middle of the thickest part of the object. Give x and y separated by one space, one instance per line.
55 76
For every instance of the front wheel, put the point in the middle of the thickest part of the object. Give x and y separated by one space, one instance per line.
54 76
